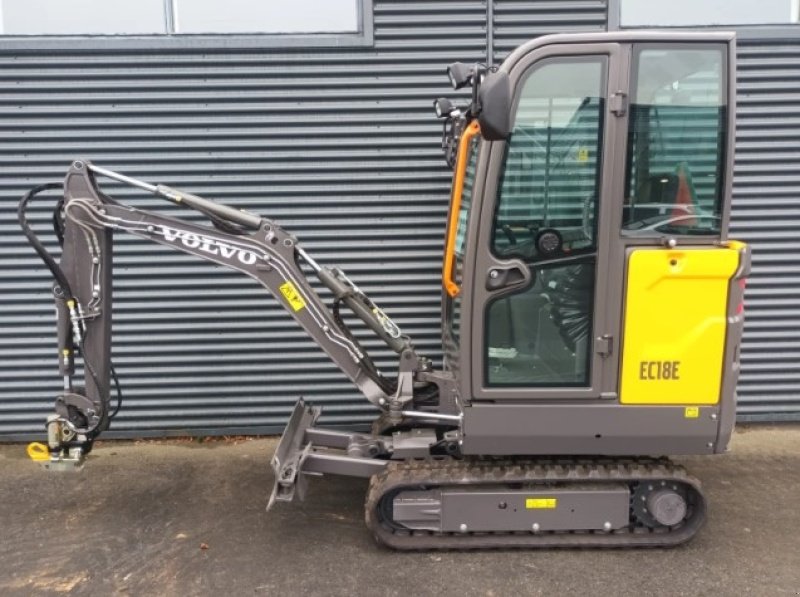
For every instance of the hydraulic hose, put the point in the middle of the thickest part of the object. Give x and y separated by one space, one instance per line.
63 283
37 245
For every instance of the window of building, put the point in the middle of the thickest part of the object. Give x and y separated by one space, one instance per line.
691 13
153 17
82 17
248 16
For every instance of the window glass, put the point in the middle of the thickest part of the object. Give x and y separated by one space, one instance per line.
461 234
466 196
676 142
455 319
690 13
540 337
266 16
123 17
552 165
82 17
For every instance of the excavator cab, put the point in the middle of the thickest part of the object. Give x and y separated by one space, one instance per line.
591 300
591 294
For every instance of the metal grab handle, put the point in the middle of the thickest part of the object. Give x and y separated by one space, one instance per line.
449 284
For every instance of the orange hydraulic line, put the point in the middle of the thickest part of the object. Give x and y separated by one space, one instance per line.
455 207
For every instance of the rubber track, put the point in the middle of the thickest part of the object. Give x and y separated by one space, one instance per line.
447 472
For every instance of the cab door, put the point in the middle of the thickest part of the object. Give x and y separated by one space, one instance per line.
538 324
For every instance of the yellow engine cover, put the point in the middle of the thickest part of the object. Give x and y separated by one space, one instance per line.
675 321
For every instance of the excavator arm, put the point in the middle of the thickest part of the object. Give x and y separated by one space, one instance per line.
86 220
422 413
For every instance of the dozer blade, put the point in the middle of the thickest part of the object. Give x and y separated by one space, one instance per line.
307 450
288 459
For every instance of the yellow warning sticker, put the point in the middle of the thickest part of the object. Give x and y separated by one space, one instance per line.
691 412
292 296
541 503
583 154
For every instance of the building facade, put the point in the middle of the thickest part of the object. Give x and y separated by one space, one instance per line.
331 133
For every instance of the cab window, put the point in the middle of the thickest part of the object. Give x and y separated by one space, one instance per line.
676 141
546 215
552 165
461 236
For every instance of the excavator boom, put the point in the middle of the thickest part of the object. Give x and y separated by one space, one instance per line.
250 244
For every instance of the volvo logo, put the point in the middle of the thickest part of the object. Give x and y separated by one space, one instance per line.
208 245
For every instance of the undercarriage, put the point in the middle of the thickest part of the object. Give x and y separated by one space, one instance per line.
421 497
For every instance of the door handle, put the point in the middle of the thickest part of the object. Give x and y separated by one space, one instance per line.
503 276
448 282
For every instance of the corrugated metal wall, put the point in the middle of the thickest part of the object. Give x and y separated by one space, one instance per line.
766 214
340 146
517 21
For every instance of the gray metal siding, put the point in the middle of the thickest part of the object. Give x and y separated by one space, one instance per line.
766 214
340 146
517 21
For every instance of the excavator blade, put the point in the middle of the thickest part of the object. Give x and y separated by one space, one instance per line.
288 459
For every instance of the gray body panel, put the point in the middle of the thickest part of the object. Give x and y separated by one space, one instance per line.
498 509
602 429
578 508
733 350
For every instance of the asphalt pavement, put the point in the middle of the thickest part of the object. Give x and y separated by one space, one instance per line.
182 517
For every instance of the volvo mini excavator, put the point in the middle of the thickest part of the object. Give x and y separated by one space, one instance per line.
592 306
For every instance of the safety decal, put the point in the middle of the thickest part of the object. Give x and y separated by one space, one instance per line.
292 296
541 503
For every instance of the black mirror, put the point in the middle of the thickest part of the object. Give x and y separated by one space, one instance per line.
494 97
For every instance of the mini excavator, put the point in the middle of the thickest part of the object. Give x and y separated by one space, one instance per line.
592 306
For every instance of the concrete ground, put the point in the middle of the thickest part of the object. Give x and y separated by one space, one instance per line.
187 518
